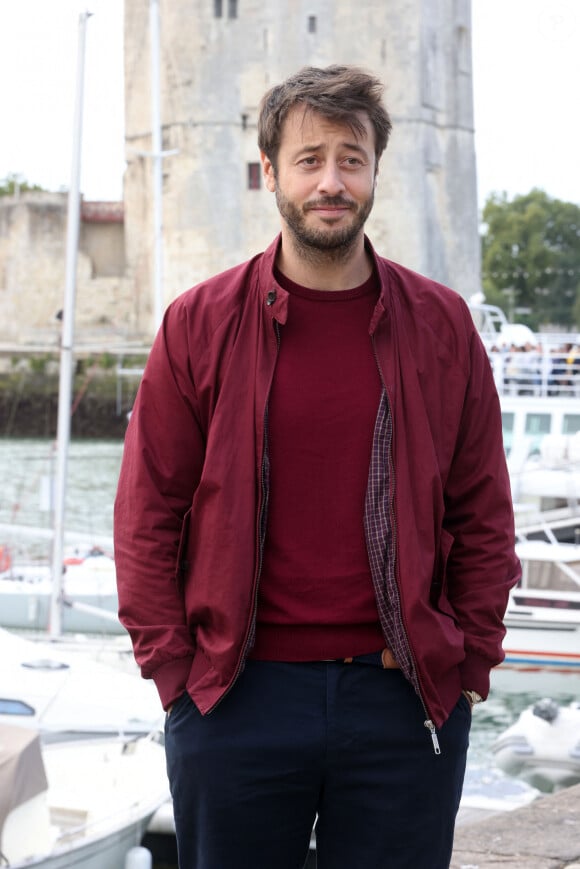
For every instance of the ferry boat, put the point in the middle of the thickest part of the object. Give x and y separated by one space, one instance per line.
537 376
538 382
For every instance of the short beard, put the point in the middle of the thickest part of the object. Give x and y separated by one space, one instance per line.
323 245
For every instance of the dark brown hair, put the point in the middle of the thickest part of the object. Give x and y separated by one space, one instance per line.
336 92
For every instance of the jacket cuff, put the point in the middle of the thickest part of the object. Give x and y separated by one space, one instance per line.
475 675
171 679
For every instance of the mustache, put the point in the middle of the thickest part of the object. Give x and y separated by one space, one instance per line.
330 202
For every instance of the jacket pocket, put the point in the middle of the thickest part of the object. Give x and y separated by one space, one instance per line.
439 597
182 564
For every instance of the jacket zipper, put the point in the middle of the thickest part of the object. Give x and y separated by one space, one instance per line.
250 628
428 723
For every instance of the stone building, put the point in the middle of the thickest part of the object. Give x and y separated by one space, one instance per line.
32 271
217 59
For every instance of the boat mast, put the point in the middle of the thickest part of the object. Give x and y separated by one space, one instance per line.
157 157
66 344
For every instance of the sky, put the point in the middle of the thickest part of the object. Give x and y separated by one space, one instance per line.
526 72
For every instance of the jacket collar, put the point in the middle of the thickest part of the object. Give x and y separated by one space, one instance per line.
274 298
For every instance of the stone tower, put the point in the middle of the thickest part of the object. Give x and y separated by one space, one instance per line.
217 59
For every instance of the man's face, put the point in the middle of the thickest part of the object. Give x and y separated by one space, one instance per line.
325 179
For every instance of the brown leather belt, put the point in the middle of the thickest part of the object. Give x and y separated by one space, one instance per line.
384 659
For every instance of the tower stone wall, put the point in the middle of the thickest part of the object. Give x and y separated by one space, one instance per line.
217 59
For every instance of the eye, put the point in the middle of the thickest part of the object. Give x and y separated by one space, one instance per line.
353 162
309 161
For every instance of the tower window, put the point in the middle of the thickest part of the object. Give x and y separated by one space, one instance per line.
254 176
218 8
463 50
312 24
232 8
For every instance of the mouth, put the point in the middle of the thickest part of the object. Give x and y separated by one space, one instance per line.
329 210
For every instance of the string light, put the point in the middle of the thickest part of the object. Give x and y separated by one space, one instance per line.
520 273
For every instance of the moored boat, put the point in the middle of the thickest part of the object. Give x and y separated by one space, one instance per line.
542 747
76 805
89 600
543 614
68 694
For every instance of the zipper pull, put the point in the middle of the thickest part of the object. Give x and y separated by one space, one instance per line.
431 728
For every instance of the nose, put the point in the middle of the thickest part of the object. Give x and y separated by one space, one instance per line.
330 181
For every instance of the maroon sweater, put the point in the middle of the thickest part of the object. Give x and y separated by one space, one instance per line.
316 598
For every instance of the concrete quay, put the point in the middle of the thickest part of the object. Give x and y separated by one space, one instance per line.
543 835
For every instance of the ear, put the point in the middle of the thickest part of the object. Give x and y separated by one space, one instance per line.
268 172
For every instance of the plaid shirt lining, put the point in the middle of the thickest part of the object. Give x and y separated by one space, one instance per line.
380 530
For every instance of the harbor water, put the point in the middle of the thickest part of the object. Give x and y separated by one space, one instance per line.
26 467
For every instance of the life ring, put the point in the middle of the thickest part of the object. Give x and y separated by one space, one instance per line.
5 559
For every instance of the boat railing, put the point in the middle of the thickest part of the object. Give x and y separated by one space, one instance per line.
541 371
550 524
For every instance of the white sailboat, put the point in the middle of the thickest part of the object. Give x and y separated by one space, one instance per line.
69 596
37 596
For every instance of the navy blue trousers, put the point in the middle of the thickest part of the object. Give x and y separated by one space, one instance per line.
342 744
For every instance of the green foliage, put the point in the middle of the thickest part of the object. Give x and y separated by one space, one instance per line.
15 182
531 258
107 361
38 364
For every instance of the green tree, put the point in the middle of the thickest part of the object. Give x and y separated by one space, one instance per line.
14 182
531 258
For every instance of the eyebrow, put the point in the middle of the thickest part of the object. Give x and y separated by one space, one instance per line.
350 146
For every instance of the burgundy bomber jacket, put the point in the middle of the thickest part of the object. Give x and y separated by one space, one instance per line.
189 519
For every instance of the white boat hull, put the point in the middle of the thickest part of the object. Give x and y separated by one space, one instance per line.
30 610
101 796
542 647
69 695
106 851
25 597
543 630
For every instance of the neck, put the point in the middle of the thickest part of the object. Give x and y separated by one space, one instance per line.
340 269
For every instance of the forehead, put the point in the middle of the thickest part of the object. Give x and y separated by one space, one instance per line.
305 127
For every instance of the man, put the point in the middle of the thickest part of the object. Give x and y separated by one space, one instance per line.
314 533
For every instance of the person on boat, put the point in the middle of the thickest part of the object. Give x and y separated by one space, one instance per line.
314 529
559 374
573 365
